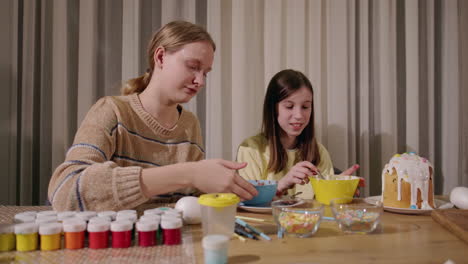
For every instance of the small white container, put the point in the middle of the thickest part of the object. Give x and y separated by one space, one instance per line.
154 211
215 248
46 213
86 215
110 214
26 228
121 226
74 225
98 226
129 211
25 218
95 219
127 216
173 213
65 214
150 218
171 223
170 218
46 219
50 228
146 226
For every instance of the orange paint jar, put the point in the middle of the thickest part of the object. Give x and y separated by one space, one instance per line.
74 233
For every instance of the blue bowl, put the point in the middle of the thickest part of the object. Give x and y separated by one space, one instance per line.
266 191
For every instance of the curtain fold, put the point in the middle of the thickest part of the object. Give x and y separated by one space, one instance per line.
389 76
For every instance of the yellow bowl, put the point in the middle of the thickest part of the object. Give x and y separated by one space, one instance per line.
339 186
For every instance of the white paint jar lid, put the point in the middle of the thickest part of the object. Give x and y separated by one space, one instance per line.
50 229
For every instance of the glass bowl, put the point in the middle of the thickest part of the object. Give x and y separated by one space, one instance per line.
356 216
300 218
266 191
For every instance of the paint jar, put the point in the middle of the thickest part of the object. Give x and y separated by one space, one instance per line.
26 236
46 219
25 217
215 248
154 211
110 214
147 233
100 219
172 231
65 214
123 212
129 217
86 215
151 218
173 213
46 213
98 233
7 237
121 233
50 236
74 230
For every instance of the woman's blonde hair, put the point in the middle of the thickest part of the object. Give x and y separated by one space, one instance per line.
171 37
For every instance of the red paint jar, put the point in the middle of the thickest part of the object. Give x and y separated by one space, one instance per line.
98 234
172 231
147 232
121 234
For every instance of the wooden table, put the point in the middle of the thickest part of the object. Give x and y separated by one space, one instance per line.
399 239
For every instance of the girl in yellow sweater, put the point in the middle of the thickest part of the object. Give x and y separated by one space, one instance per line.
286 150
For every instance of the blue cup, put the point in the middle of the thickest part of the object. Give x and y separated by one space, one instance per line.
266 191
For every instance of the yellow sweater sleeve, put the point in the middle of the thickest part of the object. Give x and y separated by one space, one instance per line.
326 165
254 169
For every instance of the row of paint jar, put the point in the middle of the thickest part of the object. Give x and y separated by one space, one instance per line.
150 228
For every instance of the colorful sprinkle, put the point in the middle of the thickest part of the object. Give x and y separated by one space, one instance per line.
357 220
298 223
413 206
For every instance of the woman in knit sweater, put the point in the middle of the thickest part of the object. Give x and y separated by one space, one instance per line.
132 147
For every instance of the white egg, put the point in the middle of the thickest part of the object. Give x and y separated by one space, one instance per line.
459 197
191 212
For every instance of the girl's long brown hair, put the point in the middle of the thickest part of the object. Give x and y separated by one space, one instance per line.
282 85
172 37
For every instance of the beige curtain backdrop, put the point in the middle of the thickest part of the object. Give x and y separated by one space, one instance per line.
389 76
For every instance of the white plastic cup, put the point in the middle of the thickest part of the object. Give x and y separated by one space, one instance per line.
218 212
215 249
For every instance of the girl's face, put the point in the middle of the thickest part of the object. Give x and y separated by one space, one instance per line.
294 112
183 72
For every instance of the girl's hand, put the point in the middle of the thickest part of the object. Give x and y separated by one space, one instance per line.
220 176
298 174
350 170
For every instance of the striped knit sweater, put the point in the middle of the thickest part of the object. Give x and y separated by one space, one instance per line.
115 141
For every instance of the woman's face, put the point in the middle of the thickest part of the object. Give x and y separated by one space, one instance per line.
294 112
184 71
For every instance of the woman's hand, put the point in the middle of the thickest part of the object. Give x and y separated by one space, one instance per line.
220 176
298 174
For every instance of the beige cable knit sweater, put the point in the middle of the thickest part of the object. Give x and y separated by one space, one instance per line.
115 141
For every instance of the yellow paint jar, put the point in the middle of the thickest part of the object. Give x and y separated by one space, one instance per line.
50 236
7 237
26 236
